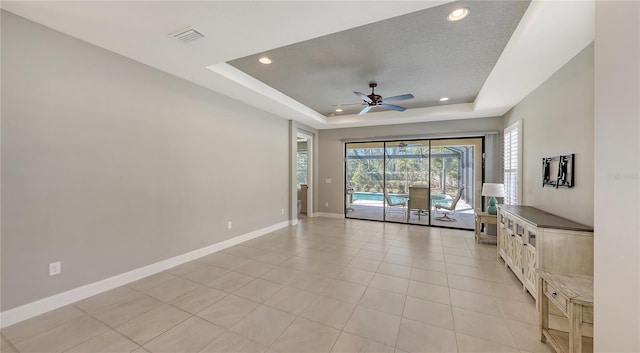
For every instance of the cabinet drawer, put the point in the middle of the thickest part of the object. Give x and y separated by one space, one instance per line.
531 235
556 297
502 219
587 314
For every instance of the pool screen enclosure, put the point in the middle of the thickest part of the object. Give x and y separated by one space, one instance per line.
404 180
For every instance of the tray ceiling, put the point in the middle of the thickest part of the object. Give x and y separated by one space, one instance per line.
420 53
324 50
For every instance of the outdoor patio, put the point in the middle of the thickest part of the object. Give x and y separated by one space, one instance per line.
373 210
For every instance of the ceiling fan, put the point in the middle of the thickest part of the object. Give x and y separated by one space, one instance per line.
374 100
402 146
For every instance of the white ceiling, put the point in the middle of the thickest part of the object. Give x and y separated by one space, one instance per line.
549 34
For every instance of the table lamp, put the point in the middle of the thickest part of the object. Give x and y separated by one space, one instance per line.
494 190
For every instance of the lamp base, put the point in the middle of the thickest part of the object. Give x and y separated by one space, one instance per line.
492 209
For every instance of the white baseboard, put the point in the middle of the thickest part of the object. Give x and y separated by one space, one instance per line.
44 305
293 222
328 215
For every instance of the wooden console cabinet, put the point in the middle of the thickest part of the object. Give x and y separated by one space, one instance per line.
530 239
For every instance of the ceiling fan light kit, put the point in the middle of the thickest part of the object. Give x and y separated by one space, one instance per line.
376 100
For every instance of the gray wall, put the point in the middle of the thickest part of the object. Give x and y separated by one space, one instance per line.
617 177
331 146
109 165
557 119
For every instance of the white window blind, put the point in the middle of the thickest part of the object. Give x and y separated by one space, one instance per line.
512 148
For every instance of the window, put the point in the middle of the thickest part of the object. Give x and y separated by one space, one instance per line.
302 167
512 161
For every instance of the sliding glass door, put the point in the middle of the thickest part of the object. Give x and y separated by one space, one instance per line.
427 182
411 160
365 181
456 182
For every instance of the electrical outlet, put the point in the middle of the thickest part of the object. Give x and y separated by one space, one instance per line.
282 211
229 225
55 268
326 204
327 180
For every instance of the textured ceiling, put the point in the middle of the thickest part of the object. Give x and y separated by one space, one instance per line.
420 53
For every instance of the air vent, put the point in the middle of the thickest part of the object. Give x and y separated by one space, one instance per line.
187 35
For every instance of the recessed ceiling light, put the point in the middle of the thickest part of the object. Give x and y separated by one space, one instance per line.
264 60
338 110
458 14
444 99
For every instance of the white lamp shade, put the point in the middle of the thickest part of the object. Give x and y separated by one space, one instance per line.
493 189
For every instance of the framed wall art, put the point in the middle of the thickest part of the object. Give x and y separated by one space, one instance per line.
558 171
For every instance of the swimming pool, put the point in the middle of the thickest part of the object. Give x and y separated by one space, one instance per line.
375 196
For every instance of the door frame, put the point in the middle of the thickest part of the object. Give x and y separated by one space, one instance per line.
310 170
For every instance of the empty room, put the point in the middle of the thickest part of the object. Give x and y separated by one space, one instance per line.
320 176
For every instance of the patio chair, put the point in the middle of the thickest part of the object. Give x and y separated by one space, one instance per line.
448 210
393 206
418 200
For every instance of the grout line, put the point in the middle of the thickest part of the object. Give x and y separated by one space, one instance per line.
9 344
136 316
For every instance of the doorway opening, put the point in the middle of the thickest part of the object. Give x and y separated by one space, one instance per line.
304 173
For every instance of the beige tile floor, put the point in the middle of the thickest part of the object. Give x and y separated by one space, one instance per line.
325 285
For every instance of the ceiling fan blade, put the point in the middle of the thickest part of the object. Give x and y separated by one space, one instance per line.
344 105
363 97
393 107
365 110
398 98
